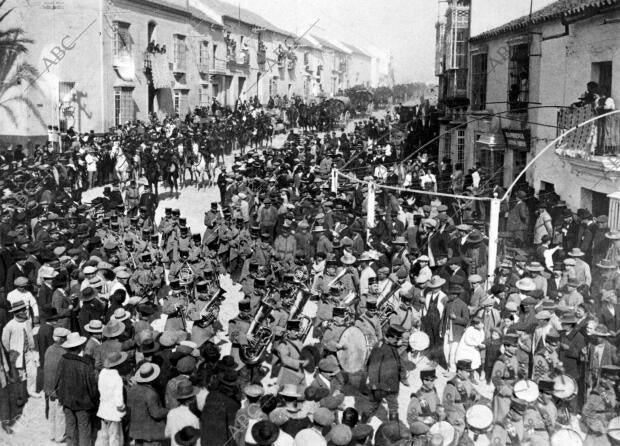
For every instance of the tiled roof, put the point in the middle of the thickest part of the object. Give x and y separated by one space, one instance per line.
243 15
552 11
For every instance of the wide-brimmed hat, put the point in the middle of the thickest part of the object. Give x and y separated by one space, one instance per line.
16 306
94 326
365 257
400 240
436 282
475 236
525 284
20 281
148 372
184 390
73 340
265 433
87 294
576 252
535 267
188 436
318 228
120 314
114 358
113 328
613 235
347 259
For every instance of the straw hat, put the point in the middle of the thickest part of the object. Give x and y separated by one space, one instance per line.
147 373
73 340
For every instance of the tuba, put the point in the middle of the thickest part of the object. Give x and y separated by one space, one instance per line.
254 351
301 297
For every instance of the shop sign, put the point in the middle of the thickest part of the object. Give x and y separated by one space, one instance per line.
517 139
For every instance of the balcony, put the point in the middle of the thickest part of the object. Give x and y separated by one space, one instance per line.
595 147
219 65
239 59
203 67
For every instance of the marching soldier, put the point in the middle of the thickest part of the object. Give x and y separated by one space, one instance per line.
504 374
600 406
332 330
369 323
238 329
423 404
459 391
288 352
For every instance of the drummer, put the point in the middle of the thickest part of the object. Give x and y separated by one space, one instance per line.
369 323
333 330
479 421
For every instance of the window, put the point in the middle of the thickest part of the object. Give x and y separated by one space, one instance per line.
121 49
203 54
273 87
123 105
181 106
460 48
203 95
460 146
478 81
518 76
601 74
180 52
447 144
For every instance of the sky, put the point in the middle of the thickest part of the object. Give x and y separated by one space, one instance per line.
403 28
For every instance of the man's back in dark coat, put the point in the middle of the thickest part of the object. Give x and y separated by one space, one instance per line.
218 415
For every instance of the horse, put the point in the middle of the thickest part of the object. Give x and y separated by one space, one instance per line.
199 165
169 166
121 165
151 172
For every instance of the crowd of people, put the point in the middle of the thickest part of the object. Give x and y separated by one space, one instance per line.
344 334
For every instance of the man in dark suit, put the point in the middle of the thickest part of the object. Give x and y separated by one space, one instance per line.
519 220
148 415
44 295
455 320
609 314
385 373
218 413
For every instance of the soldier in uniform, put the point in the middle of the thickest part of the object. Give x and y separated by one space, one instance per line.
539 418
238 329
546 363
509 430
459 391
504 375
369 323
212 216
332 331
288 352
423 404
600 406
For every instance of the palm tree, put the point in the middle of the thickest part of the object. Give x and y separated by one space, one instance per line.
13 43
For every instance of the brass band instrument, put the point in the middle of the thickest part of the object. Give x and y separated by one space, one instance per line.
337 278
261 335
385 309
207 314
301 297
186 275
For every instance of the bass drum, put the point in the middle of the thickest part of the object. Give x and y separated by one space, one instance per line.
358 346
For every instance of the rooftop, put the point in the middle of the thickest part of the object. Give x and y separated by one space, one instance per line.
550 12
243 15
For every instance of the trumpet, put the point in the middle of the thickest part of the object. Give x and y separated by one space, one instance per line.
386 310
